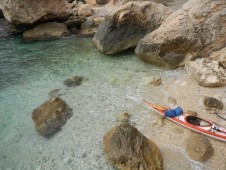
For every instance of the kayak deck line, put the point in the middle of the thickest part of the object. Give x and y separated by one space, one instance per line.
191 122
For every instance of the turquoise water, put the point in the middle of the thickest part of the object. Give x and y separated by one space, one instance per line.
30 71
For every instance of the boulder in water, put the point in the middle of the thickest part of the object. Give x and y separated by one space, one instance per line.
50 116
46 31
127 149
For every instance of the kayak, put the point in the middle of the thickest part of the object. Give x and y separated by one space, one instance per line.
192 122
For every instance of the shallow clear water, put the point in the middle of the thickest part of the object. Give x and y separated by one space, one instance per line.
29 71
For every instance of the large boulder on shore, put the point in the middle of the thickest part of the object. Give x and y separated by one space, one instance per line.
127 25
51 30
127 149
50 116
27 12
195 30
206 73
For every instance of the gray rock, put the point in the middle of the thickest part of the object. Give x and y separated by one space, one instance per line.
51 30
199 148
73 81
206 73
27 12
195 30
50 116
127 149
127 25
212 103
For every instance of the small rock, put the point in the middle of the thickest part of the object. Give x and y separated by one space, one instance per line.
50 116
127 149
155 81
123 117
212 103
73 81
198 147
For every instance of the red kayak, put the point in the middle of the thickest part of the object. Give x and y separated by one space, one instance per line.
192 122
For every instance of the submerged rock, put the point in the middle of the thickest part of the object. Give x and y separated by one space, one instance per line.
50 116
46 31
127 149
195 30
73 81
212 103
28 12
199 148
128 24
206 73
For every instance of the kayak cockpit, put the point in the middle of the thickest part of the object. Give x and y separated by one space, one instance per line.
197 121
